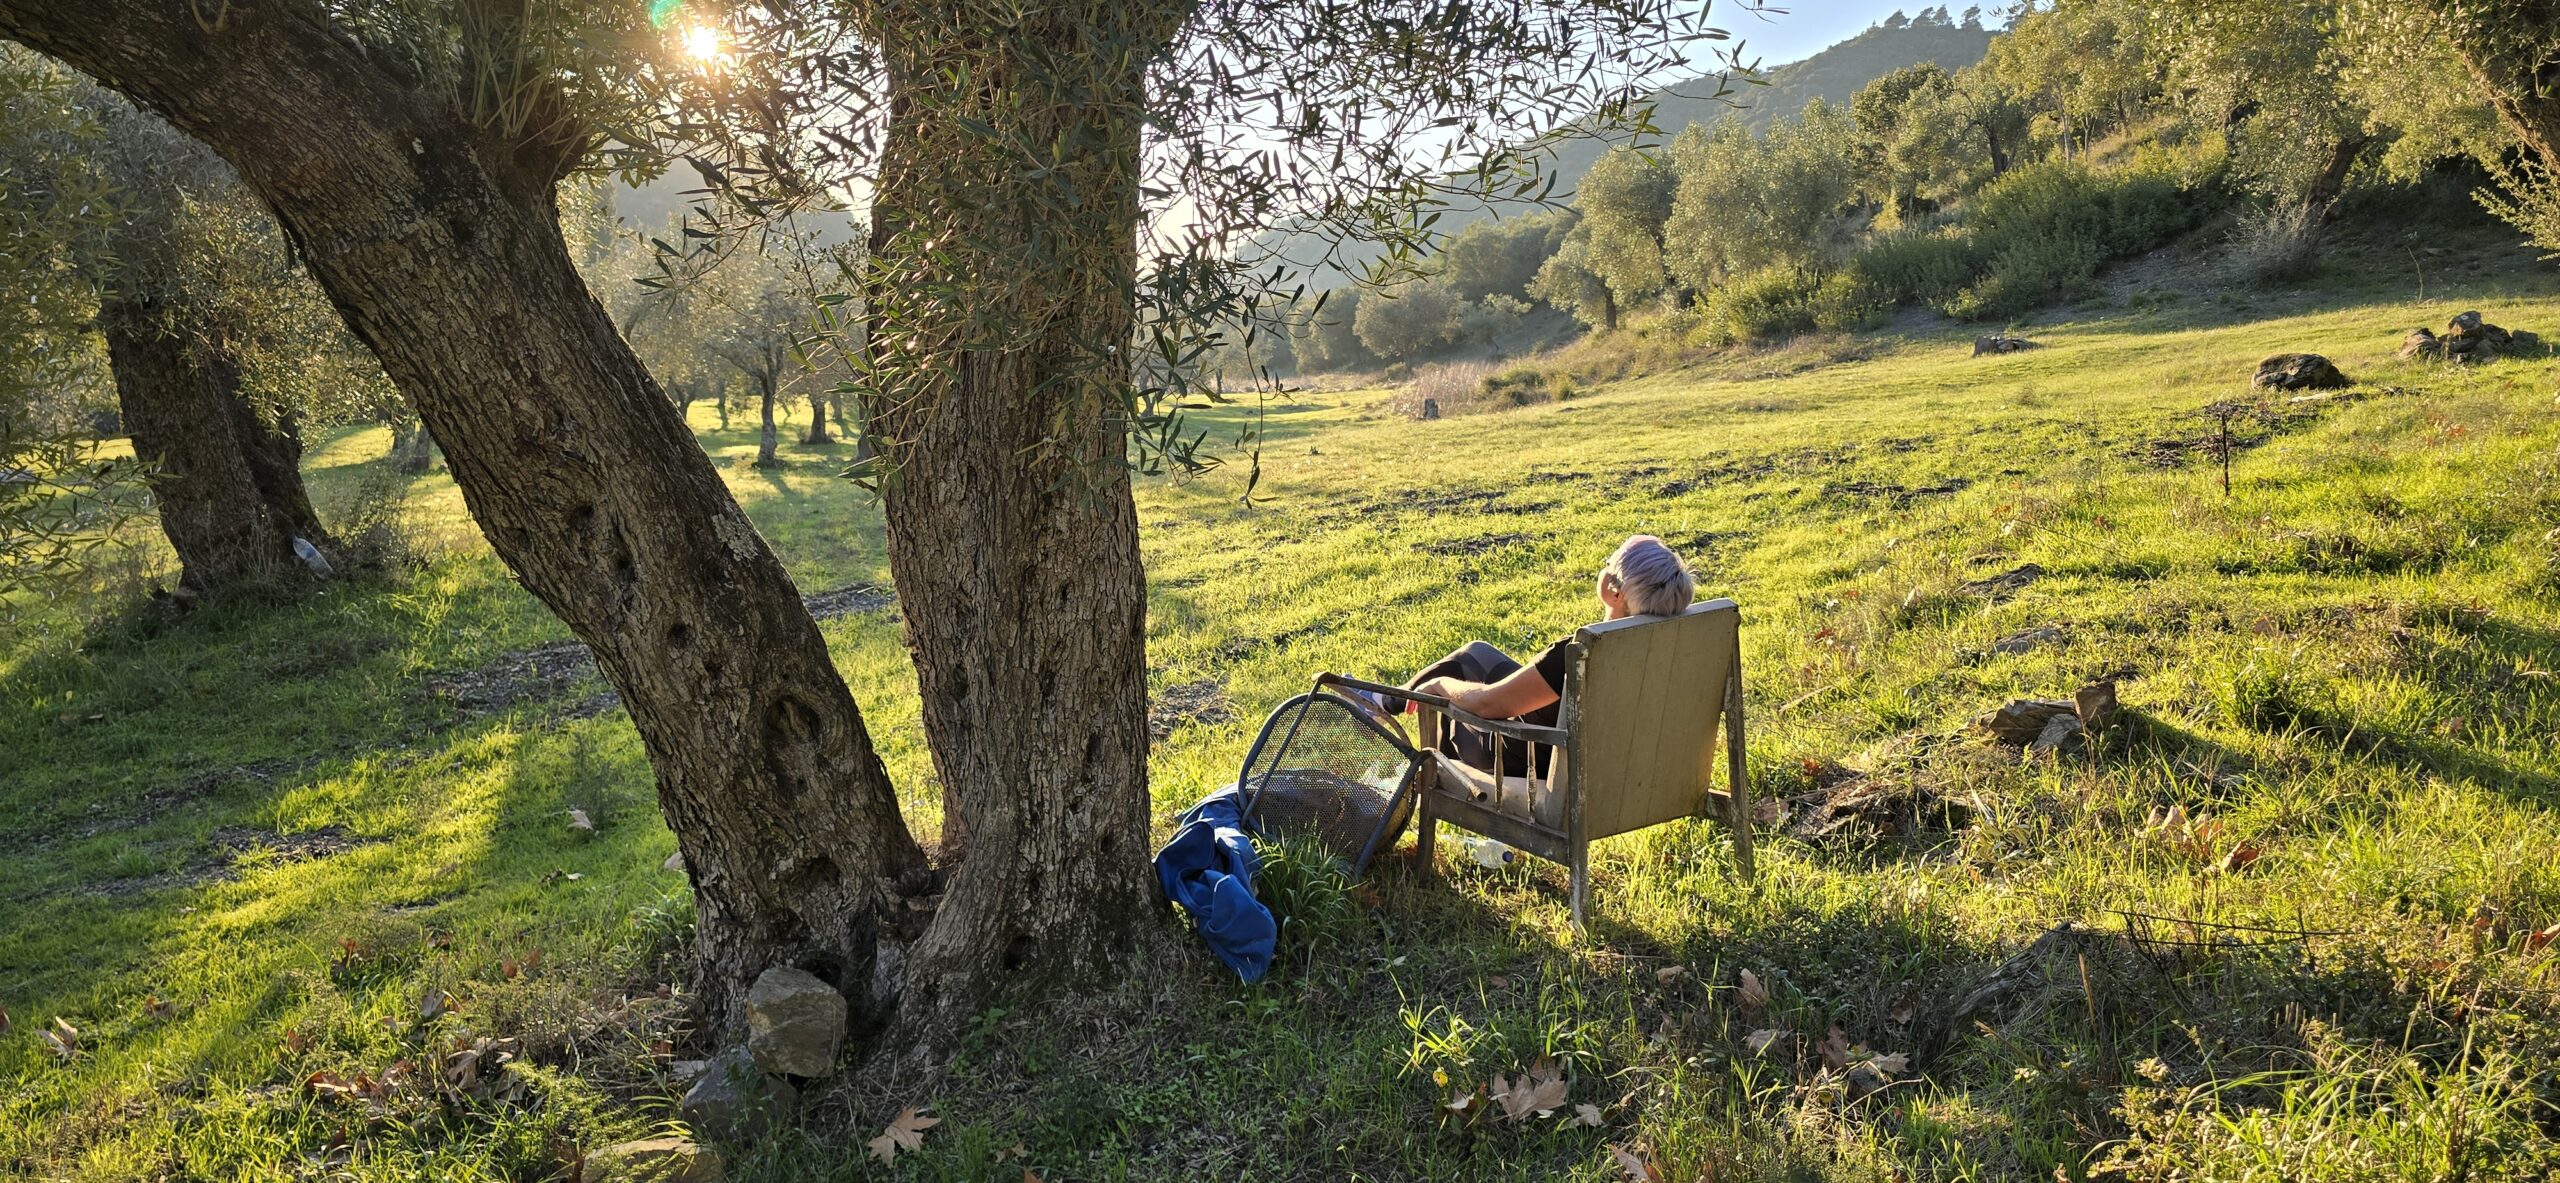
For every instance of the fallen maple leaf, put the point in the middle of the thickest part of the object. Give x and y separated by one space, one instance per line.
1835 1048
1892 1065
1753 995
1586 1114
1904 1010
905 1133
1017 1150
578 820
1669 974
2533 943
1463 1101
2240 857
154 1008
1759 1041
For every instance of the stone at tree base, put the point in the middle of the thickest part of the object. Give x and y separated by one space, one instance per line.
2298 371
655 1160
734 1100
2062 733
2095 704
1431 408
1997 345
2024 721
795 1023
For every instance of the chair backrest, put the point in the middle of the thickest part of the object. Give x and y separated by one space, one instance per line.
1648 700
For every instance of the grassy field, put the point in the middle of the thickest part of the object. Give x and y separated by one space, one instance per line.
2281 924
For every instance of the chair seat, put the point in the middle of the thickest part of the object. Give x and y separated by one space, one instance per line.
1525 798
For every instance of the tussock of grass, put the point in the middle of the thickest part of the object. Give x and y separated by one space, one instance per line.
2346 667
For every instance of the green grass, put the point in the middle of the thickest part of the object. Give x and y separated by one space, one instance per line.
260 817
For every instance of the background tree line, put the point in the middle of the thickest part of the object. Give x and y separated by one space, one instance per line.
2092 130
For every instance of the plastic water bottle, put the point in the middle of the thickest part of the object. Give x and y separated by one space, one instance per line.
1486 852
311 556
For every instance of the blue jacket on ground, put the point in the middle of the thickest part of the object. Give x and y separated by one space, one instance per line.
1208 868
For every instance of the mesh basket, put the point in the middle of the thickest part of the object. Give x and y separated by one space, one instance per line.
1325 770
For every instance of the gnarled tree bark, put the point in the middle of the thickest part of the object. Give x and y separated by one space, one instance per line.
439 240
1005 310
228 483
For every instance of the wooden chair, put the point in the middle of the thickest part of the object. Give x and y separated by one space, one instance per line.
1635 746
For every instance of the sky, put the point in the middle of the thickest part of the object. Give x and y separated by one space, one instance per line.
1808 26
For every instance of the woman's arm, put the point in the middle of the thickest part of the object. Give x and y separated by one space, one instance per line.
1521 691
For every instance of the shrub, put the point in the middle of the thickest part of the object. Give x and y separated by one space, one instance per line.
1759 306
2271 245
1846 300
1918 266
2047 227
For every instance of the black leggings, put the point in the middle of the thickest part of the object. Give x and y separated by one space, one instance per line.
1477 661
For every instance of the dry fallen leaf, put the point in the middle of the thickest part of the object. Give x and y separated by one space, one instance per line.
1669 974
154 1008
1017 1150
905 1133
1753 995
2240 857
1029 1177
1835 1048
2534 943
1892 1065
1463 1101
1586 1114
578 820
1759 1041
1904 1010
1638 1165
63 1039
4 1020
675 862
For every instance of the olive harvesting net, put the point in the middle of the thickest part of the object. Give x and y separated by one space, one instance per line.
1326 771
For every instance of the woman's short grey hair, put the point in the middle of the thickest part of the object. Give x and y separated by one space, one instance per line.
1654 580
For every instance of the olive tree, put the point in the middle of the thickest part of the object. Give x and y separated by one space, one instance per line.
1012 158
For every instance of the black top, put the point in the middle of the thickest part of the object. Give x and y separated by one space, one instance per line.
1555 664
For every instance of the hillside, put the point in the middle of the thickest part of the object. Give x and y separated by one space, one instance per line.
1832 75
253 839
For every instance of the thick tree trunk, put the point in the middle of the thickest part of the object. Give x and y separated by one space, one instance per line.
771 437
1011 532
229 485
817 418
413 450
440 242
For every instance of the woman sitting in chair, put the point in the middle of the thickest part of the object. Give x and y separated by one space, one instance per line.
1643 579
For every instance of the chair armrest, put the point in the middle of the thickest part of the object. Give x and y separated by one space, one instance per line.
1515 729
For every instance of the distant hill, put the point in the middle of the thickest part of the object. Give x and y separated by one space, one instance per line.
1832 75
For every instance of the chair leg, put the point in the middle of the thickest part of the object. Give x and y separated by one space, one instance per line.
1426 824
1578 874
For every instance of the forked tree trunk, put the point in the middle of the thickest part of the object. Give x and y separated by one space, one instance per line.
1011 532
440 242
228 484
817 418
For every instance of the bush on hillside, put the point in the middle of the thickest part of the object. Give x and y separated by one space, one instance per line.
2046 228
1918 266
2275 244
1759 306
1847 300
